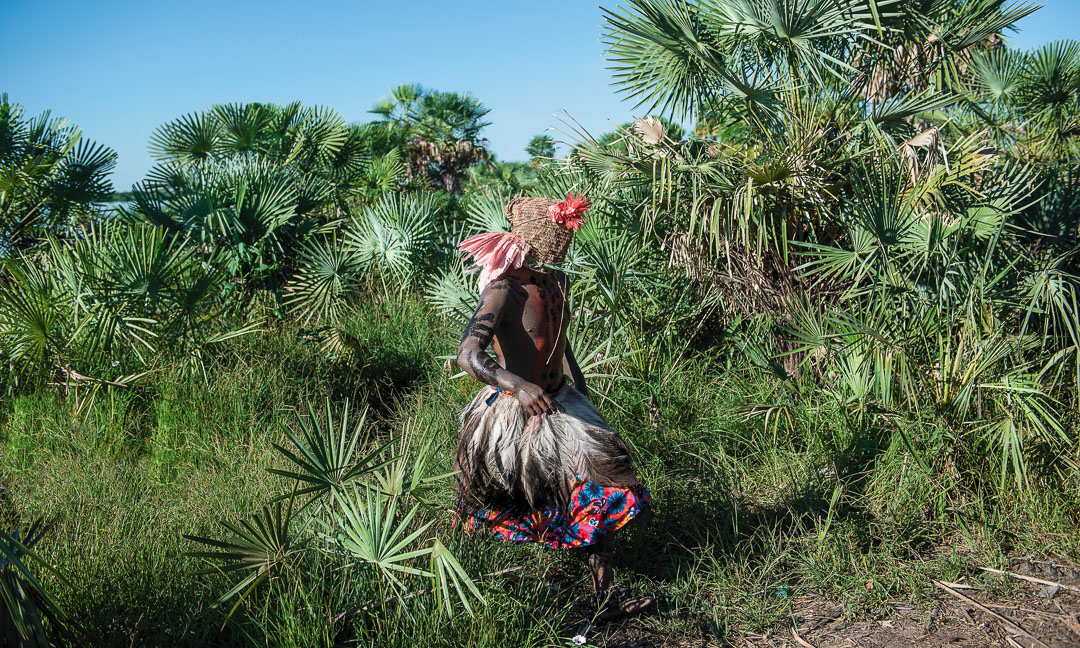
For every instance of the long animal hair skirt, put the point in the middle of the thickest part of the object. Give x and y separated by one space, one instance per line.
563 479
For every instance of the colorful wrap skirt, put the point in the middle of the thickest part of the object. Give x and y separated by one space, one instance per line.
563 479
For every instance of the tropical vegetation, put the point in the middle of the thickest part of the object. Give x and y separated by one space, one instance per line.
828 292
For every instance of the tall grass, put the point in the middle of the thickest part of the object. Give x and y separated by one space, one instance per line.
751 512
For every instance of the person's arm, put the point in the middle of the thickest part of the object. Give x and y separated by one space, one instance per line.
474 359
571 367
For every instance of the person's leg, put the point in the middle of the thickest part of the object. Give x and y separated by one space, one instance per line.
600 564
611 600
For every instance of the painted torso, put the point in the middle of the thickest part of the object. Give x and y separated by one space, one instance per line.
531 337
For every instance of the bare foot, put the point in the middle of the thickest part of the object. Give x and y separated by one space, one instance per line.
616 603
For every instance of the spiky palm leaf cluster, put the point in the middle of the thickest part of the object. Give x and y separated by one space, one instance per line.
392 243
253 180
241 200
1029 103
348 504
119 298
51 179
82 288
1030 99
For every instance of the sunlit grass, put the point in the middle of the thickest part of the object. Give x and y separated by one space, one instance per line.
749 515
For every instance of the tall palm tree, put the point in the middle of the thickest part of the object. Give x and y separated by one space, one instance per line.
540 147
440 132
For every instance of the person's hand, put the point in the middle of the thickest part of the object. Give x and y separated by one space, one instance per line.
534 399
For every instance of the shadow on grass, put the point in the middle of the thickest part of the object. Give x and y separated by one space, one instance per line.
748 542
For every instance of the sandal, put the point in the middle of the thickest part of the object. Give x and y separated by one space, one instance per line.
616 602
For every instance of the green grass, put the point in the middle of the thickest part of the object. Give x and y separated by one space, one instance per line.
749 516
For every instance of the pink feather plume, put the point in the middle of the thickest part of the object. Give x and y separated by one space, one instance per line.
495 253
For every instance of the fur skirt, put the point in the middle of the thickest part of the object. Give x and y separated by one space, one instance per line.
564 479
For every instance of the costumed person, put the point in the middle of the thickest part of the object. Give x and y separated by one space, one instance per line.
536 461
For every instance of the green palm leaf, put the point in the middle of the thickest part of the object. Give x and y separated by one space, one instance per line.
190 139
394 234
33 322
370 530
260 549
327 269
998 72
243 127
661 55
324 453
82 176
485 212
25 604
449 574
454 295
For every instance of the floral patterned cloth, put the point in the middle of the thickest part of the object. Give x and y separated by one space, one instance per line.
594 511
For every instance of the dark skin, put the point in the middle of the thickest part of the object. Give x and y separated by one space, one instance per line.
524 316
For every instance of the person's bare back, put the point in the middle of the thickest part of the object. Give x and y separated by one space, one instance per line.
525 315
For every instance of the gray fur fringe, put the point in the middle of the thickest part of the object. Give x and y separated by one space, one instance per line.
506 459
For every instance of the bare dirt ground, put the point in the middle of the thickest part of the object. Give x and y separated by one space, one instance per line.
1009 612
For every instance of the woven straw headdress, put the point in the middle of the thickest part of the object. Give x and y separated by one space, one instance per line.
540 231
531 222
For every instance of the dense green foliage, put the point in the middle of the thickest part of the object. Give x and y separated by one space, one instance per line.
49 177
750 511
837 323
869 193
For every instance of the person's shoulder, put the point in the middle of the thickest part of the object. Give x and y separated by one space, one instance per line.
502 288
503 283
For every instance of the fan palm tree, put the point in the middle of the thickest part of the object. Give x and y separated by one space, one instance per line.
51 179
439 132
540 147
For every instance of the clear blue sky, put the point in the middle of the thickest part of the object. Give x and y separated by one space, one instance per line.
120 69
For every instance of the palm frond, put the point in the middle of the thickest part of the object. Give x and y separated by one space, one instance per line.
324 455
259 549
369 529
190 139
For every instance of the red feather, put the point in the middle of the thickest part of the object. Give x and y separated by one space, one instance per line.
569 212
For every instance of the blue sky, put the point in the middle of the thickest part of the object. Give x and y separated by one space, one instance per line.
120 69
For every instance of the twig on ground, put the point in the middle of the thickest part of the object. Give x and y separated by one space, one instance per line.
1009 625
1047 615
375 605
1072 622
1030 579
957 585
799 640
